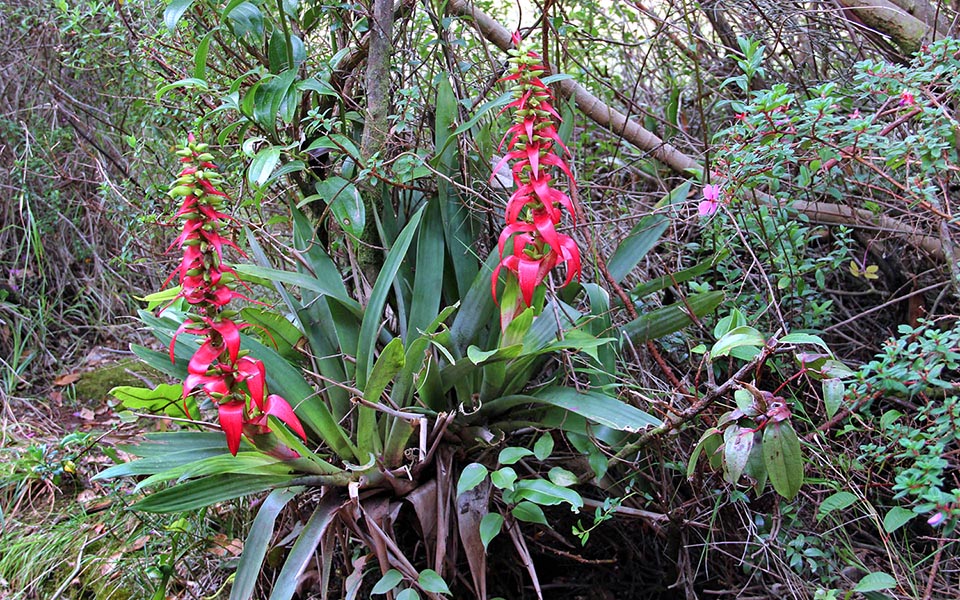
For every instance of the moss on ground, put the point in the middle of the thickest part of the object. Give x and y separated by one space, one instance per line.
96 385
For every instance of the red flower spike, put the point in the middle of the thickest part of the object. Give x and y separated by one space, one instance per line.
533 211
235 383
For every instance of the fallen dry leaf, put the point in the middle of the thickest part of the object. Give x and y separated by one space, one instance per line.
67 379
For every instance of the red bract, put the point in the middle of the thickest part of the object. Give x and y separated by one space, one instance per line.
234 381
534 210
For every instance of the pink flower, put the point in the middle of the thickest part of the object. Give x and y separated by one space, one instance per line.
711 200
937 518
907 99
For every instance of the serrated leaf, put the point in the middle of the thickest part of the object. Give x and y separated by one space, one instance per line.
490 527
544 447
389 581
837 501
529 513
430 581
897 518
782 456
874 582
471 477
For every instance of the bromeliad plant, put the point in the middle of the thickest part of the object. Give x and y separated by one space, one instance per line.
404 398
533 211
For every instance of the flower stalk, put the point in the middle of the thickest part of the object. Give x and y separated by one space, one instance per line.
232 379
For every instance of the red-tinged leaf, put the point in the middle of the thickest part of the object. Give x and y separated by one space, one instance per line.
533 155
231 421
544 225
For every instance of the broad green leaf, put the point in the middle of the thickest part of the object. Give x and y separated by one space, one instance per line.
263 165
335 141
490 526
503 478
390 580
599 408
732 321
512 454
562 477
305 548
674 279
543 447
781 455
209 490
804 338
897 518
644 235
738 443
173 13
321 284
472 475
546 493
245 19
529 513
737 338
874 582
279 54
833 392
247 463
389 363
269 97
257 541
670 319
345 203
713 432
431 582
164 399
189 82
834 502
200 56
408 594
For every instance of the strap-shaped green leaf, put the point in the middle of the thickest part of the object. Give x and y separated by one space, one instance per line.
370 328
644 235
258 541
669 319
208 490
305 547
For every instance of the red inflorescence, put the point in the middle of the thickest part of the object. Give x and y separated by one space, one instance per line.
534 210
232 379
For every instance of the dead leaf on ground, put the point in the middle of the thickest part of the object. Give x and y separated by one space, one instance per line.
67 379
